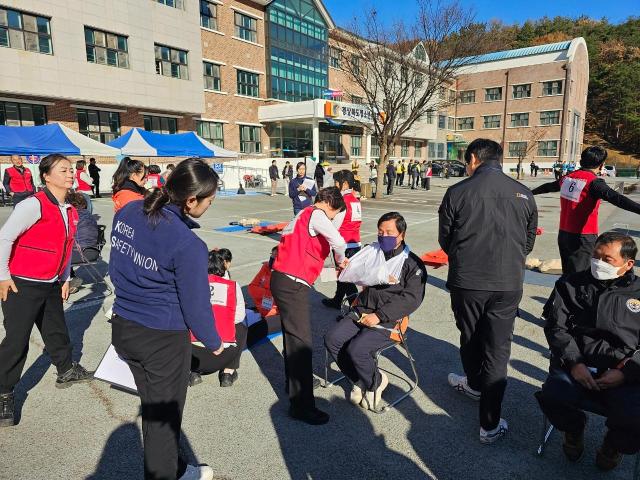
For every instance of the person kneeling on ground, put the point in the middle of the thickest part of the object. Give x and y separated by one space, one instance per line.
85 246
228 307
354 340
593 329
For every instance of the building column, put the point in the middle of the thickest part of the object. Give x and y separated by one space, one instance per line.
316 140
367 147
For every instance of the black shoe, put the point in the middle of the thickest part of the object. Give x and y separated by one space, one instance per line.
331 303
573 445
76 374
227 379
607 457
194 379
311 416
6 410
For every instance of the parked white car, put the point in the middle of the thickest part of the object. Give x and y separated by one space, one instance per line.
609 171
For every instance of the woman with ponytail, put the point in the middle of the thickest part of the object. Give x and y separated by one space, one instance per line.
128 182
158 267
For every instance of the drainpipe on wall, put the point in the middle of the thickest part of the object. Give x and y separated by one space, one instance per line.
504 116
565 89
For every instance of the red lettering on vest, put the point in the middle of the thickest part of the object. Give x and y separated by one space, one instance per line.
223 304
82 185
301 254
350 228
578 209
43 251
20 182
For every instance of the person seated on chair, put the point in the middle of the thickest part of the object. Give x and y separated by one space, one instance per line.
228 307
354 340
85 246
593 330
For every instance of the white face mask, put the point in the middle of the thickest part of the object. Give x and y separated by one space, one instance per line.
602 270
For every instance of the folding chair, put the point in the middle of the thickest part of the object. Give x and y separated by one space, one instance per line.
90 265
588 406
398 335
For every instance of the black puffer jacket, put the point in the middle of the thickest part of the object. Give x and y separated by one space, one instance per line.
595 322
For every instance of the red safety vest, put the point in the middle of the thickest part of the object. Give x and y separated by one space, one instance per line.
260 291
350 228
223 304
154 180
82 185
301 254
578 209
43 251
20 182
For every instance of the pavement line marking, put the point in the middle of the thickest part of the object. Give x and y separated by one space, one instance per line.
366 207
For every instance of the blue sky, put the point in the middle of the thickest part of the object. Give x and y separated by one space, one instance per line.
343 11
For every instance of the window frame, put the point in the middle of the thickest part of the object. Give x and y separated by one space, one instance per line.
493 117
542 149
511 154
467 96
356 146
22 32
335 57
404 148
103 135
218 126
215 79
161 118
487 94
18 108
256 144
248 87
179 4
94 45
517 122
549 89
161 61
211 7
558 115
242 30
519 96
459 123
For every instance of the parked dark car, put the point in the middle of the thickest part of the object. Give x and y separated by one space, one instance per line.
456 169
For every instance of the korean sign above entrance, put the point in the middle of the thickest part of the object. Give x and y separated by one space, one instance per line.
341 111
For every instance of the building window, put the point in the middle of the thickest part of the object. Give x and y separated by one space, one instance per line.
355 64
492 94
419 80
430 116
522 91
440 150
517 149
548 148
451 123
468 96
551 117
208 15
465 123
171 62
375 147
553 87
404 148
442 122
99 125
171 3
519 119
357 100
335 56
452 96
431 150
417 149
356 145
250 139
403 111
491 121
25 32
160 124
106 48
211 73
246 27
13 114
248 84
211 132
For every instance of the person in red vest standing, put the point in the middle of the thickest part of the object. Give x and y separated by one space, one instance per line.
305 244
348 223
35 263
227 303
17 181
580 195
84 183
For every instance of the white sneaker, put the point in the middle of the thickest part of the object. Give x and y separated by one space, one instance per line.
459 383
373 400
355 396
487 437
202 472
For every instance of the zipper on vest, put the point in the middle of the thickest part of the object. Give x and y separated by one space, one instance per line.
66 238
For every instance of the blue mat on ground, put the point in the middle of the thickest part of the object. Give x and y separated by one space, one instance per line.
240 228
540 279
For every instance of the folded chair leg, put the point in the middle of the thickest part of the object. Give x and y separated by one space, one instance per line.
413 383
547 429
327 363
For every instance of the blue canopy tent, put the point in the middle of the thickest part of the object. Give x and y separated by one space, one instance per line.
140 143
51 138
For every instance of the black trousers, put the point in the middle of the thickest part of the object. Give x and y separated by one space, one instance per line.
292 299
562 400
576 251
346 289
96 187
485 320
390 185
36 303
353 347
205 362
427 183
159 361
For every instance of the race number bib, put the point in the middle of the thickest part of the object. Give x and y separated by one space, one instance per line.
356 212
267 303
218 293
572 188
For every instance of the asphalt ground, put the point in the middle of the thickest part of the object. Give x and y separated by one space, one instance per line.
93 431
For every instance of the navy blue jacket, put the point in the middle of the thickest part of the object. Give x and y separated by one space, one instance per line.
87 232
293 193
159 271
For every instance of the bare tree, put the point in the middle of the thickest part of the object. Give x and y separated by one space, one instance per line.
405 71
528 142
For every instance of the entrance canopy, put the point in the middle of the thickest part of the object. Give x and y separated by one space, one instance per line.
140 143
51 138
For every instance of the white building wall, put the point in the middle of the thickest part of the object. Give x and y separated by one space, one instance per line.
67 74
